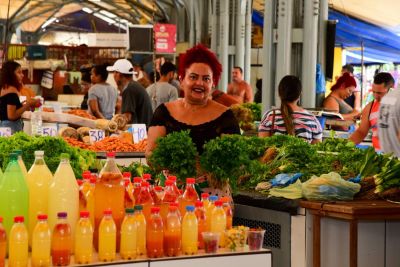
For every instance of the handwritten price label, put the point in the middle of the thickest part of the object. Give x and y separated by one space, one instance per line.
50 130
5 131
139 132
96 135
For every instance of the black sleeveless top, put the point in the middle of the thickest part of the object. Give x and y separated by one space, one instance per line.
11 99
226 123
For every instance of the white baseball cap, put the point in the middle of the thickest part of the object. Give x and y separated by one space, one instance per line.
123 66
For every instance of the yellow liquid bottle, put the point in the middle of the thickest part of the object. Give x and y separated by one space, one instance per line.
218 221
128 236
209 207
84 239
41 242
189 232
21 163
18 247
140 221
39 179
189 197
107 237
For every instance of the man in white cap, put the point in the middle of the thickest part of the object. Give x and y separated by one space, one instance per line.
136 104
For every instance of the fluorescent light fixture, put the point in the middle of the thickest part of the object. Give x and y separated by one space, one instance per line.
48 22
107 19
87 10
108 14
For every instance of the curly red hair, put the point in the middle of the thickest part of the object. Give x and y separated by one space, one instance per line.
200 54
346 79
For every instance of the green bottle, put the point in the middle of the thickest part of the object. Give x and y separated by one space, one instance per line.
14 194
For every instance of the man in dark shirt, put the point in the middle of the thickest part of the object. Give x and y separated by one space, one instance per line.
136 104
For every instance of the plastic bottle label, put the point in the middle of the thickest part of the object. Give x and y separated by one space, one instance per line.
50 130
96 135
139 132
5 131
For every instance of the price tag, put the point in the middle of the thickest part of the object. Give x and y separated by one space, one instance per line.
5 131
49 130
96 135
139 132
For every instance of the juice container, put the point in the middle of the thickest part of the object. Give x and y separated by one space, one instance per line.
41 242
228 211
3 243
155 234
39 179
218 221
107 237
61 243
89 193
170 196
145 199
189 232
109 194
64 195
140 221
209 209
129 201
176 189
18 247
172 233
204 198
146 177
14 195
128 246
82 198
202 222
137 181
189 197
159 191
21 162
84 239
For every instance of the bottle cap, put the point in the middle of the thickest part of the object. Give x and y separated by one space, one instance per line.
199 204
129 210
155 209
158 188
127 175
174 204
107 212
145 184
190 180
126 182
87 171
18 151
213 198
19 219
172 178
204 195
138 207
86 175
169 182
137 179
172 208
13 156
146 176
39 153
110 154
79 181
64 156
84 214
93 180
189 208
218 203
42 217
62 215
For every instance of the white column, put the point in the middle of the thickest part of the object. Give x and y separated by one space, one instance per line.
240 32
224 43
247 53
323 18
192 33
212 30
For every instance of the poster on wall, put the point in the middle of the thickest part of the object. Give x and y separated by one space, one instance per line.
165 38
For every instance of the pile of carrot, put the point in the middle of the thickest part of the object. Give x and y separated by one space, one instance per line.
80 113
108 144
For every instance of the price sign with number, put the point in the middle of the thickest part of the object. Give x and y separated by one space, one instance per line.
139 132
5 131
96 135
49 130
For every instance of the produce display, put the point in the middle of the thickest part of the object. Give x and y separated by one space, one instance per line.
109 144
80 113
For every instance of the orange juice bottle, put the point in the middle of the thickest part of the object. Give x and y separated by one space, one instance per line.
128 236
169 197
189 232
3 242
155 234
218 221
64 195
189 197
140 221
83 239
202 222
129 201
137 181
204 198
18 247
146 177
82 198
107 237
21 162
61 243
89 193
176 189
145 199
172 233
41 242
209 209
109 195
39 179
228 211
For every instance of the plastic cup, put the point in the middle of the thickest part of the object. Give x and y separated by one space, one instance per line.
210 242
255 239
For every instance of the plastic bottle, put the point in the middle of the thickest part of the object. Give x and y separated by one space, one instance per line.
89 193
129 201
21 162
36 123
228 211
202 222
137 181
155 234
140 221
176 189
204 199
3 243
84 239
172 233
41 242
18 247
39 179
189 197
145 199
189 232
170 196
109 195
218 221
61 243
14 195
64 195
209 209
107 237
82 198
128 236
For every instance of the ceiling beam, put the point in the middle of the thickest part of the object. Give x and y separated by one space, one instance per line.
52 14
132 19
146 9
162 9
19 10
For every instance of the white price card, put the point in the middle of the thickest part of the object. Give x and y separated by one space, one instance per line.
139 132
49 130
96 135
5 131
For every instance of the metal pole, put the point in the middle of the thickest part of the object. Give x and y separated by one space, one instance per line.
240 32
362 72
224 42
214 24
323 18
247 42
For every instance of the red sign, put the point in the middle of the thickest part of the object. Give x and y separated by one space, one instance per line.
165 38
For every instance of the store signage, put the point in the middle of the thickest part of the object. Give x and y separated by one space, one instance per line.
165 38
96 135
49 130
139 132
5 131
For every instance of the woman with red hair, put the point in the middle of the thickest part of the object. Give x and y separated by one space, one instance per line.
342 89
199 71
